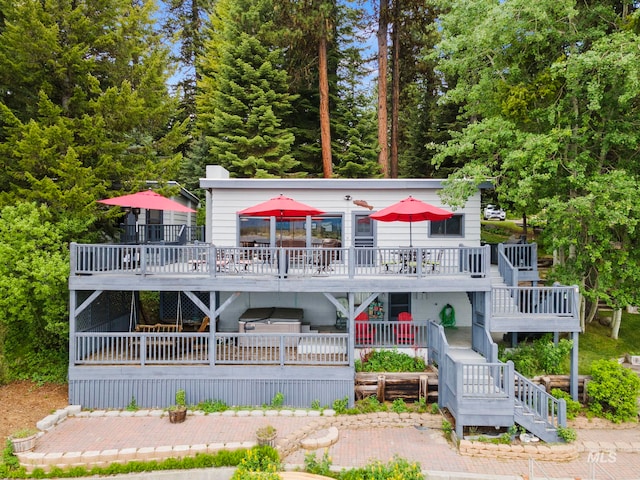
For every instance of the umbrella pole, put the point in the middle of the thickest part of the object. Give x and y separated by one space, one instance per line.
410 232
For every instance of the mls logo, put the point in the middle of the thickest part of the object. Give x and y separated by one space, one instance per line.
601 457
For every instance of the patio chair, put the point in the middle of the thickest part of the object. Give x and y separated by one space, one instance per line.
365 332
432 264
405 331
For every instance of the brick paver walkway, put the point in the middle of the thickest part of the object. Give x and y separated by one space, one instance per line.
355 447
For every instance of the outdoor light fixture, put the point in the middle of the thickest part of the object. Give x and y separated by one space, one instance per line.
347 197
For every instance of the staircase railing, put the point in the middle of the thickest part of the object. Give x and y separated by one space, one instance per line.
540 413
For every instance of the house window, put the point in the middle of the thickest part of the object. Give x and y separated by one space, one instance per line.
452 227
293 232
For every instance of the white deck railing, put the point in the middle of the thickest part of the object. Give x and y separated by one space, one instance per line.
122 348
210 260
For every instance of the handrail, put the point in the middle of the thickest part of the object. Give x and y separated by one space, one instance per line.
547 408
557 300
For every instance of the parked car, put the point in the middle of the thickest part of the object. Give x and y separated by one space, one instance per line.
493 212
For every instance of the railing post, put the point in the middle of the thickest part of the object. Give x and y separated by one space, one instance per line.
352 262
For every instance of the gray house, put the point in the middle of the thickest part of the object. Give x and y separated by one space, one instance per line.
286 304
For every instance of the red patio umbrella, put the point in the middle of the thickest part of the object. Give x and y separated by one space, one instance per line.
281 207
411 210
149 200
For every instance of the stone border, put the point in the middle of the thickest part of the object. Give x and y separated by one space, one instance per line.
544 452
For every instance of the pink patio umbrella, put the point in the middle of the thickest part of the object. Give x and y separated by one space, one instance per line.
149 200
411 210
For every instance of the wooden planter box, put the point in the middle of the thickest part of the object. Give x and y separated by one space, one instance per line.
387 386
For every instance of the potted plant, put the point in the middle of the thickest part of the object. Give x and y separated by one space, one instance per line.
178 412
24 440
267 435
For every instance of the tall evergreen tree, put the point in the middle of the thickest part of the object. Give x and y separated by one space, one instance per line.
244 99
84 108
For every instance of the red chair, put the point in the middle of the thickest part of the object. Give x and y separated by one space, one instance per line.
365 332
405 331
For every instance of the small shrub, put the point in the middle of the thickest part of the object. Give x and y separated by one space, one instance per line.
421 405
447 428
263 461
133 405
396 469
399 406
567 434
435 409
181 398
278 400
389 361
211 406
613 391
340 405
318 467
315 405
573 406
542 357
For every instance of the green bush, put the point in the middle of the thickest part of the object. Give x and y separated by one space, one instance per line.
573 407
542 357
397 469
259 463
613 391
567 434
389 361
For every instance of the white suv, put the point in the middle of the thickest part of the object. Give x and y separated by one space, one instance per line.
493 212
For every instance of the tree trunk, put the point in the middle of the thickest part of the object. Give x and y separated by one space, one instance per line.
325 130
395 89
615 324
383 155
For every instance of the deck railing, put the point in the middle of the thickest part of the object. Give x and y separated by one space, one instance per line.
213 261
383 334
558 300
140 349
167 234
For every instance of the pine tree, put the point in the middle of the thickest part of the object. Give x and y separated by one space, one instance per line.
84 107
245 98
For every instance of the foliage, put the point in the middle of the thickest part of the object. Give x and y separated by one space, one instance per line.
9 467
318 467
389 361
399 406
613 391
259 463
244 93
573 406
596 344
539 107
211 406
33 294
567 434
315 405
447 428
181 398
133 405
24 433
340 405
396 469
540 357
266 433
278 400
85 107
